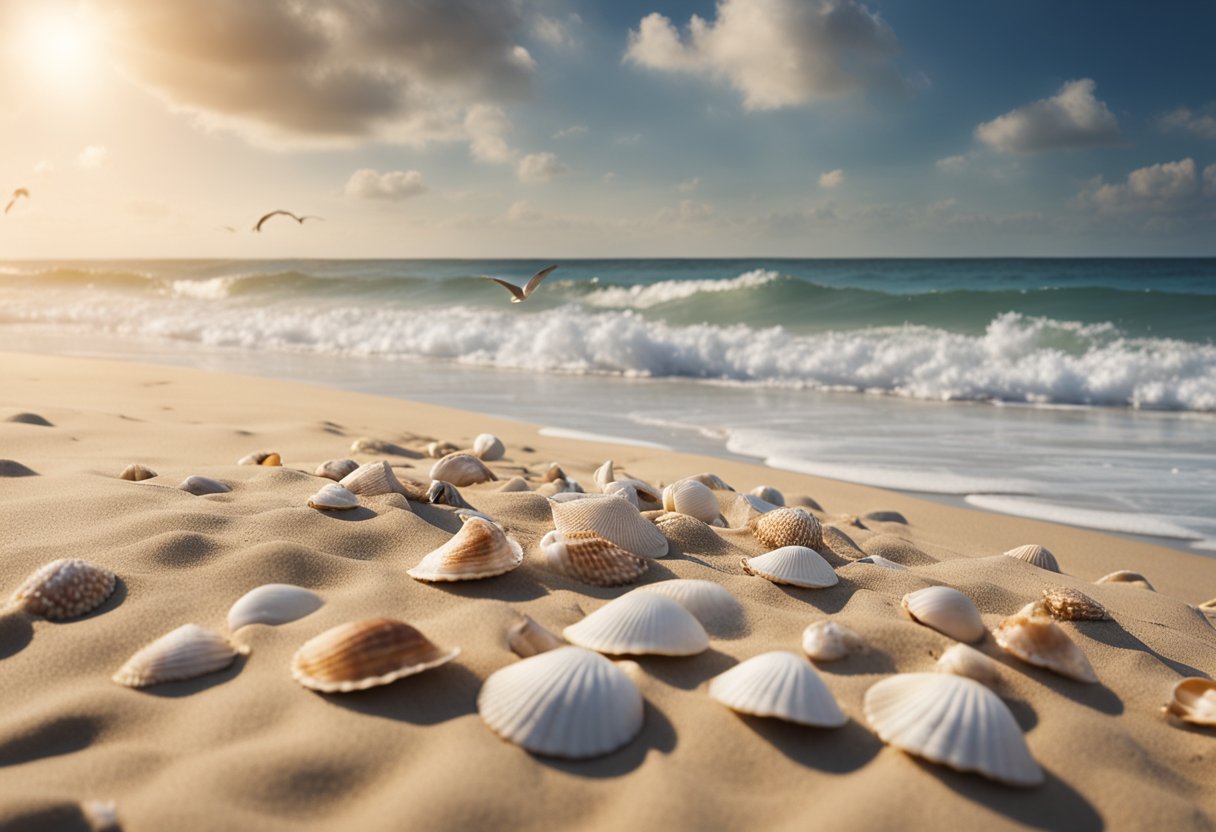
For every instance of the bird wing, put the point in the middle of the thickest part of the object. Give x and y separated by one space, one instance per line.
300 220
510 287
265 217
10 204
20 192
536 279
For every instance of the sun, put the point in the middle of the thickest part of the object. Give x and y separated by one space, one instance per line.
58 44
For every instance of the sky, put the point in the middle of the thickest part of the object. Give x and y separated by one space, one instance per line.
571 128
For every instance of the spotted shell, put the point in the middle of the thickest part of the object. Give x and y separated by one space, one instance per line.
185 653
461 469
1039 641
527 638
587 557
364 654
488 447
787 527
64 588
793 565
136 473
778 684
614 519
1036 555
199 486
946 610
1070 605
336 469
479 550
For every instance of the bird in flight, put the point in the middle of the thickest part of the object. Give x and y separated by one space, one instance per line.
300 220
20 192
519 295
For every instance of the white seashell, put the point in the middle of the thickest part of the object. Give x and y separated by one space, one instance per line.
101 815
648 495
267 458
640 623
479 550
567 702
372 479
1037 640
199 486
827 641
136 473
769 494
953 721
885 563
488 447
710 480
272 604
1123 576
604 475
335 469
612 518
1035 555
710 603
1194 701
587 557
798 566
445 494
692 498
527 638
461 469
466 514
778 684
946 610
964 660
624 489
187 652
333 497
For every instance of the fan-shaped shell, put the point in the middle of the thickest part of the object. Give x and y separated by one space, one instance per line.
443 493
267 458
364 654
1124 576
1071 605
372 479
527 638
64 588
769 494
336 469
692 498
272 604
778 684
333 497
488 447
1035 554
710 603
199 486
186 653
794 565
787 527
1040 641
614 519
567 702
964 660
587 557
946 610
829 641
1194 701
136 473
461 469
479 550
953 721
640 623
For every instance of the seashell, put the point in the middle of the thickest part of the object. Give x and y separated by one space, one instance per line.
964 660
100 815
614 519
136 473
587 557
488 447
333 497
527 638
1037 640
1123 576
561 496
769 494
953 721
1070 605
515 484
267 458
647 493
199 486
13 468
787 527
372 479
365 654
710 603
553 472
885 517
467 513
479 550
63 588
567 702
603 475
445 494
624 489
1035 554
367 445
640 623
272 604
793 565
879 560
1194 700
438 450
692 498
779 684
710 480
336 469
827 641
186 653
946 610
461 469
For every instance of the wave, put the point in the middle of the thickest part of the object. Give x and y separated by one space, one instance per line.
1155 525
646 295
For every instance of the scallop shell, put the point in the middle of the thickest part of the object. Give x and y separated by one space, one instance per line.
567 702
769 494
614 519
946 610
1194 701
640 623
267 458
479 550
186 653
136 473
272 604
199 486
64 588
372 479
964 660
488 447
710 603
692 498
1070 605
1039 641
333 497
828 641
778 684
787 527
587 557
527 638
365 654
793 565
953 721
885 563
336 469
438 450
461 469
443 493
1036 555
1123 576
711 480
514 485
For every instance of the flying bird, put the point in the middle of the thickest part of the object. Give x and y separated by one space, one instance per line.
279 212
519 295
20 192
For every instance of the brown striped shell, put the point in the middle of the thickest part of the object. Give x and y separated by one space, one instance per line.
587 557
461 469
479 550
136 473
64 588
787 527
1066 604
1035 555
364 654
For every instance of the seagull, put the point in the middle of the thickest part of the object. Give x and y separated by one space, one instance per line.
520 295
20 192
300 220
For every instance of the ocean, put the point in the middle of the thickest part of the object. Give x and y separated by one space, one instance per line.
1081 391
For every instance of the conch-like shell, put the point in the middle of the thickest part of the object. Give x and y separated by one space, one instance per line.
794 565
373 479
445 494
769 495
1070 605
964 660
333 497
186 653
787 527
710 603
136 473
640 623
953 721
364 654
336 469
778 684
527 638
946 610
64 588
692 498
614 519
438 450
587 557
479 550
267 458
1037 640
1194 700
199 486
1036 555
1123 576
827 641
488 447
272 604
461 469
567 702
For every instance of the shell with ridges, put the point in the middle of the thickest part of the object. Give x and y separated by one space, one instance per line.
1193 700
198 486
272 604
778 684
787 527
372 479
710 603
64 588
488 447
335 469
692 498
136 473
946 610
267 458
614 519
461 469
1124 576
1071 605
186 653
364 654
333 497
964 660
769 494
624 489
1036 555
793 565
527 638
640 623
1037 640
479 550
587 557
828 641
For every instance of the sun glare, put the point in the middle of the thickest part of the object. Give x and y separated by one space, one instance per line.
60 45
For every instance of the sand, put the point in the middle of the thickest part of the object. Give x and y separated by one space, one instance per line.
249 748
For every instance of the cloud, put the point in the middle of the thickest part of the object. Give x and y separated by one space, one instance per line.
776 53
609 176
689 185
831 179
1072 118
1183 120
92 157
555 32
1165 188
522 211
953 164
486 127
390 185
572 131
629 138
540 167
44 168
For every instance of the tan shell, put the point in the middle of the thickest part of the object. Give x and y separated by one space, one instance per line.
587 557
1123 576
64 588
1039 641
364 654
1070 605
488 447
367 445
1194 701
198 486
461 469
333 497
964 660
336 469
787 527
828 641
692 498
553 472
438 450
515 484
769 495
798 566
527 638
946 610
479 550
136 473
614 519
443 493
1036 555
372 479
186 653
267 458
711 480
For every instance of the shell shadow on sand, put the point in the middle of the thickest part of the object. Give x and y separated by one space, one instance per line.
64 735
1047 804
835 750
429 698
13 468
686 672
41 816
658 734
1112 633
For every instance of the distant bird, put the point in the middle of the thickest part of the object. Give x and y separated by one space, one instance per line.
281 212
227 228
520 295
20 192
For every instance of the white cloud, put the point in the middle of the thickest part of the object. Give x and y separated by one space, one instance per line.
44 168
540 167
689 185
831 179
1185 121
92 157
609 176
1168 187
555 32
1072 118
953 164
572 131
390 185
776 53
486 127
522 211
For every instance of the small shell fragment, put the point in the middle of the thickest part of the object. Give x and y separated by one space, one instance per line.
1123 576
185 653
587 557
1070 605
461 469
778 684
365 654
1036 555
946 610
136 473
1037 640
787 527
964 660
267 458
1193 700
640 623
333 497
885 563
479 550
199 486
488 447
828 641
527 638
64 588
798 566
336 469
272 604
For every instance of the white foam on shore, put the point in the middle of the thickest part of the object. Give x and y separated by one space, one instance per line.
587 436
1152 525
647 295
928 482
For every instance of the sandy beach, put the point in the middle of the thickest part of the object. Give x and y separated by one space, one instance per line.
248 747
